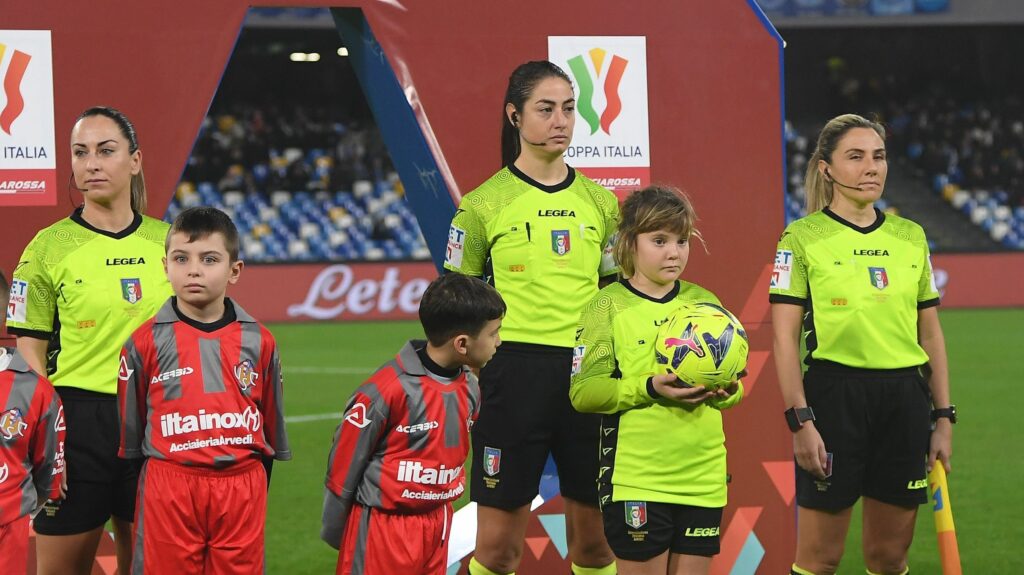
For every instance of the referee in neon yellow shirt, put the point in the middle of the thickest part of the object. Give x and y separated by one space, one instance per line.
81 287
859 284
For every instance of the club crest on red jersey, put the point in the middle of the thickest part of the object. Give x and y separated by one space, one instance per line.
636 514
879 278
131 290
560 242
246 374
12 424
492 460
356 415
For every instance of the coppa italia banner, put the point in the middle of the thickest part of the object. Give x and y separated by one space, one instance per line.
28 174
611 142
338 292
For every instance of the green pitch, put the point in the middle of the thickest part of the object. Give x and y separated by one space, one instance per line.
324 362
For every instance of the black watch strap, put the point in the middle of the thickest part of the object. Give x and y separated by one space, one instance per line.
796 416
947 412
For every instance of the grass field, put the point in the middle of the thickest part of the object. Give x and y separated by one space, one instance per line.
324 362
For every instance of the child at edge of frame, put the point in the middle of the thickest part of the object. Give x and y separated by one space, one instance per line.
397 461
31 446
200 398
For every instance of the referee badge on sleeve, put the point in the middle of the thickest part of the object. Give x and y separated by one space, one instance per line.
577 358
456 245
782 270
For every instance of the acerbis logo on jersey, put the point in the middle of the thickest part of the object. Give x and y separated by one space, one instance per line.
492 461
456 245
18 301
4 473
178 424
245 374
58 424
356 415
167 375
131 290
560 242
414 472
636 514
427 426
783 269
124 373
879 278
12 424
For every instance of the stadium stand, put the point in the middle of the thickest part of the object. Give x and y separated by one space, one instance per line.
301 187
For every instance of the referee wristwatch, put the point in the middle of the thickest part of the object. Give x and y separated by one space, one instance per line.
796 416
947 412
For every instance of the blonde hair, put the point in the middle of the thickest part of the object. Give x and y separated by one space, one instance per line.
819 190
652 209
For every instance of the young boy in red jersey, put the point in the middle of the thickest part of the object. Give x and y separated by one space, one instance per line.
31 448
199 394
397 459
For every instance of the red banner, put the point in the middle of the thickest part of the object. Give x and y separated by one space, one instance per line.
333 292
980 280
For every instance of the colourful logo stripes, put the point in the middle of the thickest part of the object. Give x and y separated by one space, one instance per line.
12 87
612 79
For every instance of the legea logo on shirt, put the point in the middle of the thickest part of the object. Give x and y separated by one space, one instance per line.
177 424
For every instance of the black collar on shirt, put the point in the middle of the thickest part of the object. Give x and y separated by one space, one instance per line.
569 178
76 216
412 363
228 317
169 314
664 299
879 218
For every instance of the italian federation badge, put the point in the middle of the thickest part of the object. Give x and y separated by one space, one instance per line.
131 289
492 460
636 514
879 278
560 242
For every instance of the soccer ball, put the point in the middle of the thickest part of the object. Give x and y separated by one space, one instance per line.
702 344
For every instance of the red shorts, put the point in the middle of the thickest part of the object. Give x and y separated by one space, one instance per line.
14 545
200 520
379 543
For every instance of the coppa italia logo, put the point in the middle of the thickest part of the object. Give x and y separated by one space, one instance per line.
612 78
12 87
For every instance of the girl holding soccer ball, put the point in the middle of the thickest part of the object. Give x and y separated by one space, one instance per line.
877 379
663 469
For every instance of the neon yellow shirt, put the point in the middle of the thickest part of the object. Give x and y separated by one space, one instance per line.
547 247
86 291
863 288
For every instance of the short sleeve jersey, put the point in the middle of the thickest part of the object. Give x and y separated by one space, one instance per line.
86 290
31 438
863 288
403 441
207 399
686 464
546 245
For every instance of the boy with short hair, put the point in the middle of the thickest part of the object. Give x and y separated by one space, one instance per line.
396 463
31 448
199 393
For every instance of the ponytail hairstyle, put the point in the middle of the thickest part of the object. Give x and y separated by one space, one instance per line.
652 209
819 190
520 85
138 184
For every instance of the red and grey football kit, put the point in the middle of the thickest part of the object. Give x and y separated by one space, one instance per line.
203 404
396 466
31 453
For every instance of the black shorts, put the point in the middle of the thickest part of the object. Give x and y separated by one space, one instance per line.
100 484
642 530
877 425
524 416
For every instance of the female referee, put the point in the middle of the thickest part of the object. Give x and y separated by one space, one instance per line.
89 280
543 232
877 378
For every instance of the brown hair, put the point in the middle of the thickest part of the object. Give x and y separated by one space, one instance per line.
200 222
652 209
127 129
819 190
